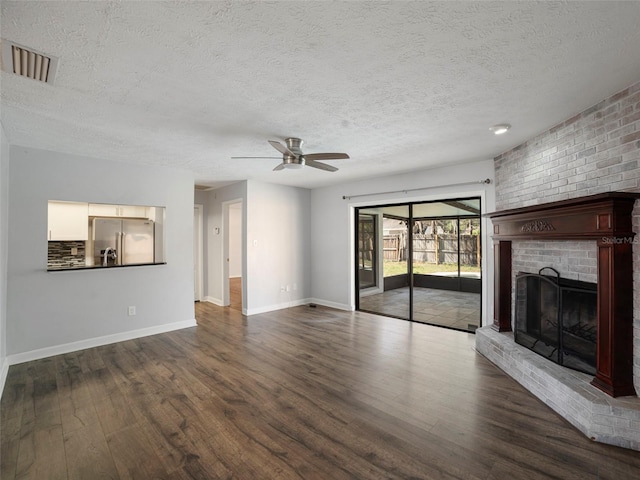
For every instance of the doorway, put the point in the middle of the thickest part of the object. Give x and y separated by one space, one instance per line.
428 255
232 271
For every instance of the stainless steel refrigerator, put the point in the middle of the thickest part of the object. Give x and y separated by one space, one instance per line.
122 241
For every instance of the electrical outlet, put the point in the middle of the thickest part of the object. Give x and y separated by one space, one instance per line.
282 289
131 311
288 288
74 250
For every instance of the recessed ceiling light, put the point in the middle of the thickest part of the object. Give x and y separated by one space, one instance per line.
500 129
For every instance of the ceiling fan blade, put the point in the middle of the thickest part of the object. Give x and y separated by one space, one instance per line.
281 148
256 157
326 156
321 166
279 167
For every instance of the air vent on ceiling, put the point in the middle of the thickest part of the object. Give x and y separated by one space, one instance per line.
203 188
28 62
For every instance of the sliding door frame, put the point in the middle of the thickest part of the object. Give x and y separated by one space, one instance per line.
410 248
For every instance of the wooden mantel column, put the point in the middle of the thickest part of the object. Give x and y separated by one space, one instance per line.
605 218
502 286
614 350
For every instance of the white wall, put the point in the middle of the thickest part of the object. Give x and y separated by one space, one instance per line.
51 312
4 232
235 240
278 246
332 224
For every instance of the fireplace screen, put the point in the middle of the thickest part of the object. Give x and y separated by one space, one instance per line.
557 318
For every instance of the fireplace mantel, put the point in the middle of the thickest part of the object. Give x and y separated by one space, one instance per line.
607 219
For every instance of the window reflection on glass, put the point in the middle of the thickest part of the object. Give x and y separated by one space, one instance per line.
367 251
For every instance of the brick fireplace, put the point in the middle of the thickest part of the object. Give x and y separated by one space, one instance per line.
586 157
605 218
587 402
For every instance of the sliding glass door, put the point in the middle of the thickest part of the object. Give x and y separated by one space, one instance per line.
396 300
430 261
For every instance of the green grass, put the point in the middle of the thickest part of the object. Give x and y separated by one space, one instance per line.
399 268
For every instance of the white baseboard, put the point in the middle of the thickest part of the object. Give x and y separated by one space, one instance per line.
96 342
278 306
297 303
284 305
338 306
4 370
215 301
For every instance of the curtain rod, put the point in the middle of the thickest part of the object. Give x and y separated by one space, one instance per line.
349 197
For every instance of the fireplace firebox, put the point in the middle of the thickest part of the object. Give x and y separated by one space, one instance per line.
557 318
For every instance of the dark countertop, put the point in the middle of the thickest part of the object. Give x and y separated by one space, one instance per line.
100 267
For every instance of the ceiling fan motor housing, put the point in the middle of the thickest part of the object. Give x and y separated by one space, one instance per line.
294 144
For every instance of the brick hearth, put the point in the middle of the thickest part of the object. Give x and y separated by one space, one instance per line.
602 418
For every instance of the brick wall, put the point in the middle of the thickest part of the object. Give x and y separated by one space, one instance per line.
595 151
573 259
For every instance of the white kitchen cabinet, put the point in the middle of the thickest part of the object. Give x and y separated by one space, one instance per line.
68 221
104 210
133 211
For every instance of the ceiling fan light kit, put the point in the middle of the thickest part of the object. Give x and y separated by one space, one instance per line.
294 158
290 162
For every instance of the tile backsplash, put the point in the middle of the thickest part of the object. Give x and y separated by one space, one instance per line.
60 254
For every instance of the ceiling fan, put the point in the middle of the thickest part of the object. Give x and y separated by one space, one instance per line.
292 156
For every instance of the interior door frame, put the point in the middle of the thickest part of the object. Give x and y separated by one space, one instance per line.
226 296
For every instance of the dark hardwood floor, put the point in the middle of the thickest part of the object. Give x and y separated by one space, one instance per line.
303 393
235 293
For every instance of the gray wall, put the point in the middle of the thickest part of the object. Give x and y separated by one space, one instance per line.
47 310
277 245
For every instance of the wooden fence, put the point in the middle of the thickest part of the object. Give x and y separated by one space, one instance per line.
435 249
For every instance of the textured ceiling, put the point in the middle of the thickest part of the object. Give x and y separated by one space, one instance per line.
398 85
